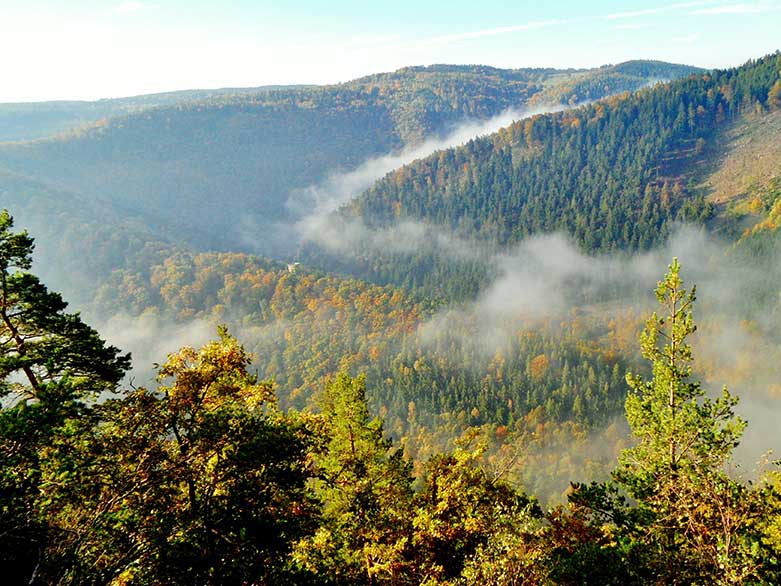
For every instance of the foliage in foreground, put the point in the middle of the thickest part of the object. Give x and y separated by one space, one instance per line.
204 480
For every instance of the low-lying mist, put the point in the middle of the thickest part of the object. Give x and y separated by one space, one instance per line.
548 278
737 343
150 339
313 206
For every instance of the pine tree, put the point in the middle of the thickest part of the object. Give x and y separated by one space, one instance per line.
38 340
692 522
680 431
50 363
701 523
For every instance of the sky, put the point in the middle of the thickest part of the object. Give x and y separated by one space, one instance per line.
89 49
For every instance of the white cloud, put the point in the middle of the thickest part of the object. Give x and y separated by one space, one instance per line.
657 10
630 26
493 32
737 9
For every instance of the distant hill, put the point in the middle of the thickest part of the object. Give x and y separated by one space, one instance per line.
80 240
32 120
215 169
594 84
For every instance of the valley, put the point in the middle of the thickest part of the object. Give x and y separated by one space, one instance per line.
466 252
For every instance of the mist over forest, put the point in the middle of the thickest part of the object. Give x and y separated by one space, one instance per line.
425 326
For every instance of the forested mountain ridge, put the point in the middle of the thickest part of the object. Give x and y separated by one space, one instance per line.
607 80
453 84
33 120
446 376
200 168
614 175
596 173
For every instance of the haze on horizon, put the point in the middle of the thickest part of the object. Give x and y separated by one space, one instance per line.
87 49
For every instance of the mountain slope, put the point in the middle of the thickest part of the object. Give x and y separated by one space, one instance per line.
598 173
217 173
428 364
747 158
80 241
615 175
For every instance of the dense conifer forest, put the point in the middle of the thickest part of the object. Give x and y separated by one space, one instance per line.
615 175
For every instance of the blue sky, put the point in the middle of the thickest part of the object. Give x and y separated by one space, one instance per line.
77 49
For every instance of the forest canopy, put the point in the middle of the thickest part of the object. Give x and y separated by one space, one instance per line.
206 479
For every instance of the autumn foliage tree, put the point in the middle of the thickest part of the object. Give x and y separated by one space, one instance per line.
471 527
205 480
201 481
